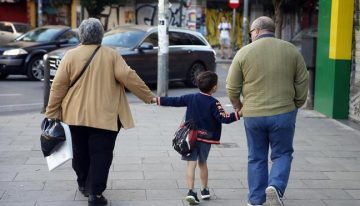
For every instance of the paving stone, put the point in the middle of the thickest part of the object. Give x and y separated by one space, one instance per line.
143 184
7 176
230 194
148 203
169 194
13 196
317 194
354 193
343 175
22 186
147 171
342 202
332 184
18 203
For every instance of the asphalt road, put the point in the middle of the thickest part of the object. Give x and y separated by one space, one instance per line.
19 95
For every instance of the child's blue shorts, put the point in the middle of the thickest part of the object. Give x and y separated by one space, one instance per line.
200 153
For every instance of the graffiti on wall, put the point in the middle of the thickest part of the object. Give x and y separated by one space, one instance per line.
147 13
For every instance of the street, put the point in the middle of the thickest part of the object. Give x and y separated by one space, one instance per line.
17 94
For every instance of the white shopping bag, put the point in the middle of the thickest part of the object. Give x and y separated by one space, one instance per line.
63 153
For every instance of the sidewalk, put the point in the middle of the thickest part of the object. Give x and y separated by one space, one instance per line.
146 171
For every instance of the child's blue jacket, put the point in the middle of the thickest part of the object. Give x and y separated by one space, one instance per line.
205 111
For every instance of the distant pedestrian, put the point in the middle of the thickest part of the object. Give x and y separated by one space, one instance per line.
208 115
96 107
224 37
272 77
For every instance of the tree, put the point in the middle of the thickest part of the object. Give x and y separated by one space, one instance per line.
285 5
96 7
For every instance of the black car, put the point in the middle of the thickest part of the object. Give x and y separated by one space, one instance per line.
189 52
24 55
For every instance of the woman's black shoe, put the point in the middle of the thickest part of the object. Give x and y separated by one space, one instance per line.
97 200
84 191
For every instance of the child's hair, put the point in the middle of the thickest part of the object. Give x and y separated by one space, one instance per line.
206 81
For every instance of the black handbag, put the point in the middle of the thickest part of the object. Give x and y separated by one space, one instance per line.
52 131
51 136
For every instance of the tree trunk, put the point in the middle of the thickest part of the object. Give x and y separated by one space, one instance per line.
278 17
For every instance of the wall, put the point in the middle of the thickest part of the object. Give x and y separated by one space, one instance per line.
16 12
354 103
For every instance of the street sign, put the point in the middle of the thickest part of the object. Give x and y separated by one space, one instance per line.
234 4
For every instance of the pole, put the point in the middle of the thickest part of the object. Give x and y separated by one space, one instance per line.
233 32
163 52
39 11
245 22
46 83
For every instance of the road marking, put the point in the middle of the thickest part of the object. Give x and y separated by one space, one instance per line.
19 105
8 95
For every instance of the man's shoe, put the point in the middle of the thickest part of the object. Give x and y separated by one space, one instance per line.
205 194
272 197
84 191
191 198
97 200
254 205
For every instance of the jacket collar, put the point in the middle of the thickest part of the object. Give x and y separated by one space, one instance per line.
265 35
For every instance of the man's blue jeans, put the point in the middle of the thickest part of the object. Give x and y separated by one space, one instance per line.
277 132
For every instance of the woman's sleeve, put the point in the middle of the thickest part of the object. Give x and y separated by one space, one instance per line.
59 89
129 78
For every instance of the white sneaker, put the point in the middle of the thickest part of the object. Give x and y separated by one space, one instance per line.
272 197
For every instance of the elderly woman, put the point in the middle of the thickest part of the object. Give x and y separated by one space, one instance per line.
95 107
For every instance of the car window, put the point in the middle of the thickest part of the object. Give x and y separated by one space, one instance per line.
71 36
22 28
195 40
4 27
178 38
122 38
40 35
152 39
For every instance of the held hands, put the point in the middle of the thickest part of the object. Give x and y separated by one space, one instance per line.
239 112
153 100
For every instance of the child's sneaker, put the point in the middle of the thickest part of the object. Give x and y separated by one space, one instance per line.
192 198
205 194
272 197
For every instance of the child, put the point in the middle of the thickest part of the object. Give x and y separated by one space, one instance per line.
208 114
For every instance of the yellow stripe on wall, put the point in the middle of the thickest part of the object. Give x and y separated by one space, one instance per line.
73 14
341 28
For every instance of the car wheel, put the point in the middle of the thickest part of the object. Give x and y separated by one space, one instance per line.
3 76
35 69
193 72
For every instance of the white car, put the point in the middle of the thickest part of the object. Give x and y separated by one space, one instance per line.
10 30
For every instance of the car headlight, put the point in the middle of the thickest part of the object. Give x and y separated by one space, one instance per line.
45 57
14 52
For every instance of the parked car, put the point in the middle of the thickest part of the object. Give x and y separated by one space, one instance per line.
11 30
189 52
25 54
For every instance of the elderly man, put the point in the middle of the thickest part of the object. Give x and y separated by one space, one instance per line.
272 77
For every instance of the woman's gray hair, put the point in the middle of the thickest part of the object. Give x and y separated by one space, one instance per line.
91 31
264 23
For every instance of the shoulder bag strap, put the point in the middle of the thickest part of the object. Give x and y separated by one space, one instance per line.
85 66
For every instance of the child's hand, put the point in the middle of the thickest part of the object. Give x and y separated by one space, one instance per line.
240 113
153 100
